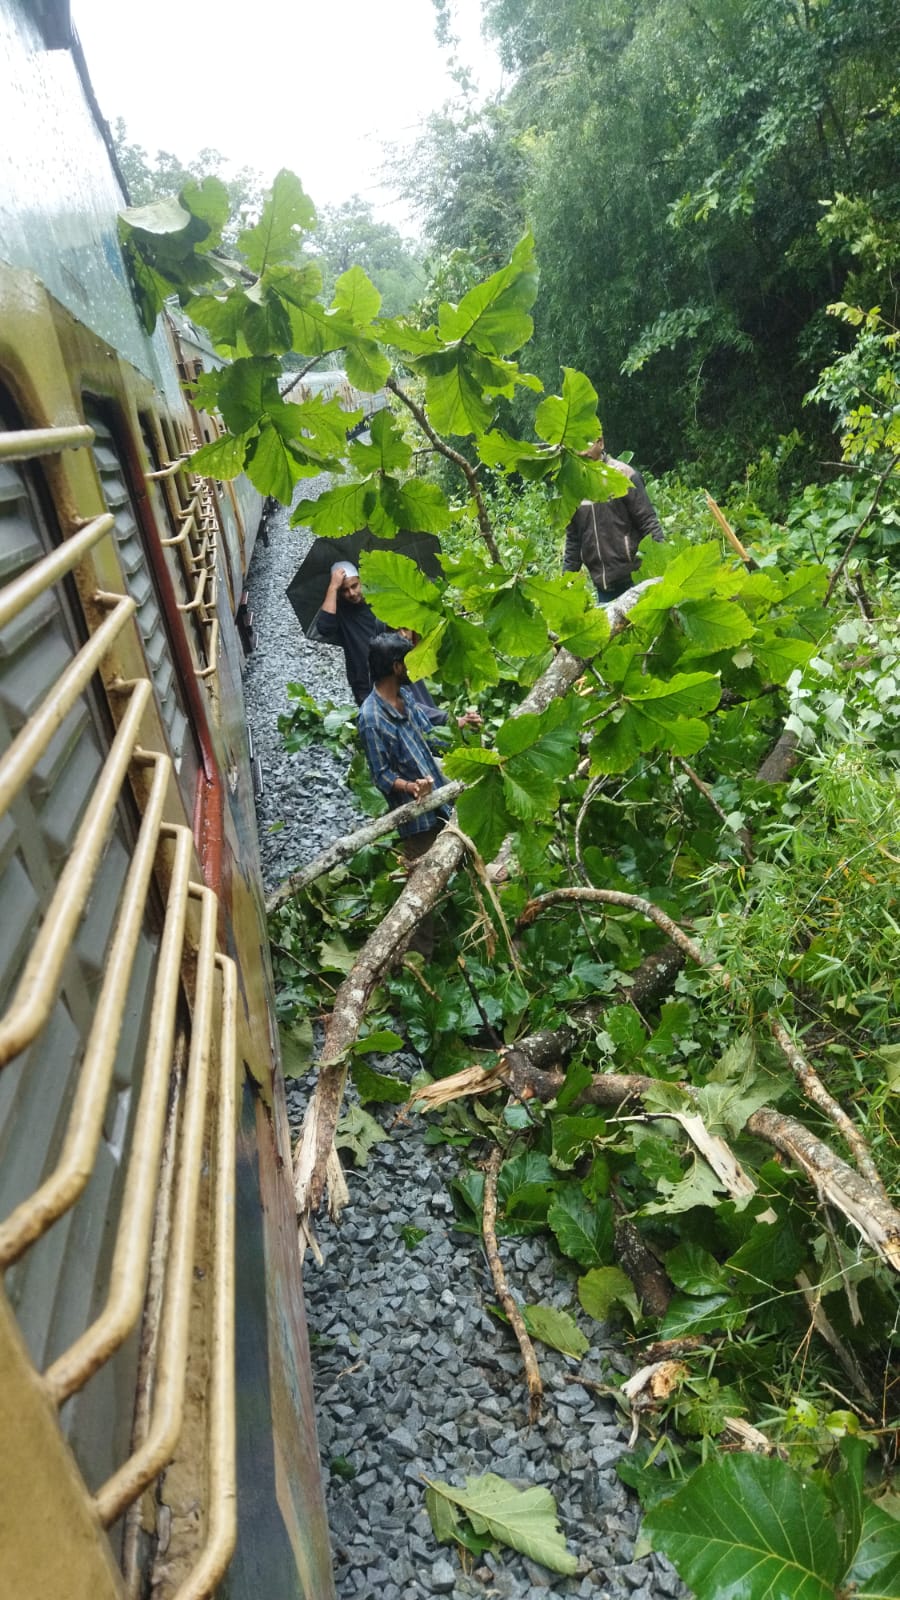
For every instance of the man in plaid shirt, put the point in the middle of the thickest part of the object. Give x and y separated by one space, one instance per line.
395 731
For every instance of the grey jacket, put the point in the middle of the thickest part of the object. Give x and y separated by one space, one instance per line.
604 535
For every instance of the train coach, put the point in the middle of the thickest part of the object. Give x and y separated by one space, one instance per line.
156 1425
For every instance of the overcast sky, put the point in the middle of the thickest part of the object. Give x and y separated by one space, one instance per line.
305 84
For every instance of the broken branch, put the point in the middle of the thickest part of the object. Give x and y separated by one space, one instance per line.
349 843
501 1287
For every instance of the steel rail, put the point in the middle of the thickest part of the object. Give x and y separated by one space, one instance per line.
36 991
59 1191
129 1265
168 1402
221 1530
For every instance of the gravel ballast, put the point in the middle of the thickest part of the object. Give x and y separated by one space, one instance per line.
414 1377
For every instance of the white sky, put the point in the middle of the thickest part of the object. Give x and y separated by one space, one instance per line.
315 86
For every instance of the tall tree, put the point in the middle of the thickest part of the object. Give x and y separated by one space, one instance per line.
350 234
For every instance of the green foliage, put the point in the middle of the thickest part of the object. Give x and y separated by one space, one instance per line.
757 1527
524 1519
640 779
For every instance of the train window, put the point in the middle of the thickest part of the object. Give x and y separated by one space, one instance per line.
57 1286
191 550
139 583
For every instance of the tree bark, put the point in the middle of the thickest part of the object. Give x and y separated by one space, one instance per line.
516 1320
419 894
390 939
345 847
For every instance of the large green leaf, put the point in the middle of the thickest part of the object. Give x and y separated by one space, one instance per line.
586 636
499 449
388 449
583 1228
749 1528
222 317
298 285
287 213
414 503
561 600
483 814
457 384
266 325
494 315
513 624
422 662
466 655
398 590
778 657
604 1287
569 418
524 1519
694 1270
315 331
468 762
713 624
270 466
222 458
578 479
379 1087
549 737
325 420
246 391
356 294
366 363
695 572
530 793
557 1328
875 1571
337 511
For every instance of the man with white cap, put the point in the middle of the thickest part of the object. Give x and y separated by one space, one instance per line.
347 619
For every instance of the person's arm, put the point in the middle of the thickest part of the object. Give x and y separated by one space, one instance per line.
380 760
572 551
327 627
329 604
641 511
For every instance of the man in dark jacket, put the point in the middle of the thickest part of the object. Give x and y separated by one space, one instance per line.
347 619
604 535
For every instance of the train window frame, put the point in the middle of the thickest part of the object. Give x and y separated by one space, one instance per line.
188 761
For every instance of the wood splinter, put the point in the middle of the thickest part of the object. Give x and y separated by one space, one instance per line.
489 1231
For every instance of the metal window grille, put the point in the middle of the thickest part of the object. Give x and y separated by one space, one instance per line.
94 995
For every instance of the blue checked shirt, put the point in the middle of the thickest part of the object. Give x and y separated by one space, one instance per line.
396 746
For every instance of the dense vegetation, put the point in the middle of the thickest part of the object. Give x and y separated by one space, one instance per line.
665 987
701 180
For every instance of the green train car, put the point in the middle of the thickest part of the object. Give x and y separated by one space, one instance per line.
157 1435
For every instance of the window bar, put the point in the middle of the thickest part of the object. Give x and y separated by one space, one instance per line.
30 742
61 1189
36 990
27 443
221 1533
212 650
165 1424
29 585
169 470
129 1265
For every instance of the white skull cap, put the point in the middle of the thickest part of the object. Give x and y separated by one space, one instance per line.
349 570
